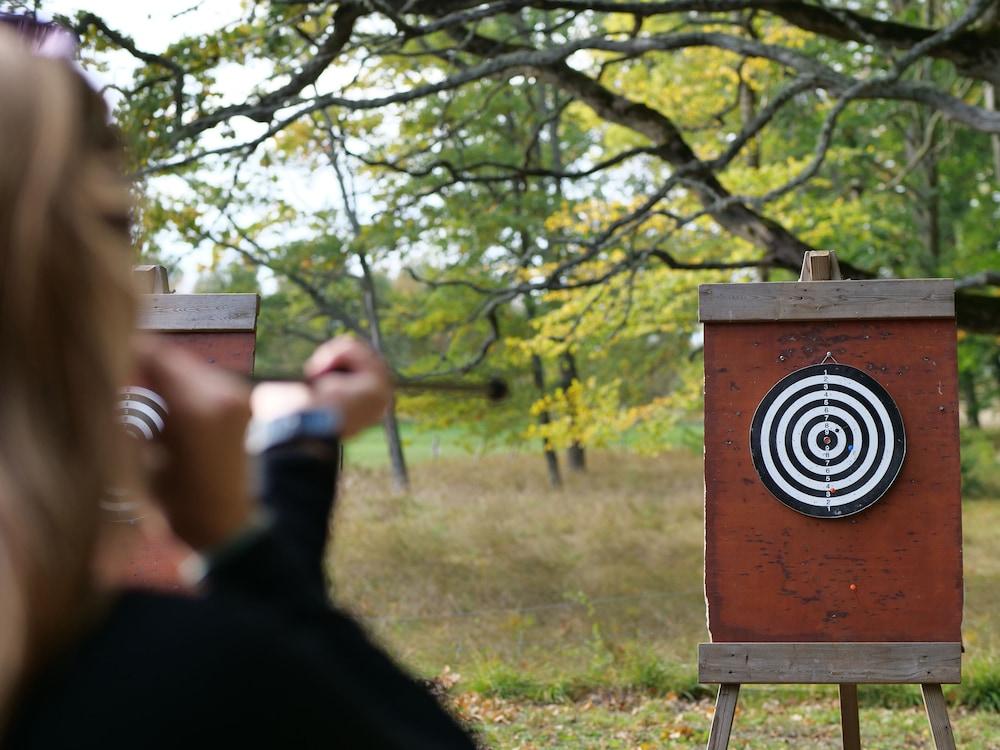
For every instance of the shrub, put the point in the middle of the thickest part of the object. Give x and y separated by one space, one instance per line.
980 688
980 475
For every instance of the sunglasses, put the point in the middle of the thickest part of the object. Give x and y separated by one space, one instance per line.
45 38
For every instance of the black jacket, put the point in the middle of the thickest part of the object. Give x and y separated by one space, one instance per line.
259 660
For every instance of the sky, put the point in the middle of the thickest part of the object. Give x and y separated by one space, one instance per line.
153 26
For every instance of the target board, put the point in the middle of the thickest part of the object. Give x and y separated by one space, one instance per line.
218 329
827 440
142 412
860 374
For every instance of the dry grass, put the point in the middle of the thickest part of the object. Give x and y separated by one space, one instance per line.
482 561
981 554
485 569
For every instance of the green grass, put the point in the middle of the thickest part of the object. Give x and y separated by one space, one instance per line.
765 720
419 446
547 602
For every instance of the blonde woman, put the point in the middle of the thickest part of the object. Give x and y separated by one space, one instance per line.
256 658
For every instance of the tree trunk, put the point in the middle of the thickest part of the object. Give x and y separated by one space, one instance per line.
748 110
990 93
400 475
932 169
551 457
575 454
390 425
932 208
967 384
549 104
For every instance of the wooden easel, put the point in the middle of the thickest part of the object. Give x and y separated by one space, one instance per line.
930 665
846 664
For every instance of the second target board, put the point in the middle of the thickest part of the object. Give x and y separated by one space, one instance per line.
142 412
827 440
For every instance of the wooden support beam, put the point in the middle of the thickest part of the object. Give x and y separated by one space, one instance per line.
199 312
850 727
937 717
722 721
832 663
827 300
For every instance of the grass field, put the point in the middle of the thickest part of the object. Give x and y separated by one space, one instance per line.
570 619
368 449
763 722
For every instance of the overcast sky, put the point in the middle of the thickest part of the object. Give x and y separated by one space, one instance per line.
153 26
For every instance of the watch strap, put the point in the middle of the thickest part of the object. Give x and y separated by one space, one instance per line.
310 425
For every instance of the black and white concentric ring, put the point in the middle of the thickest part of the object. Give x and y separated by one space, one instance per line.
827 440
142 412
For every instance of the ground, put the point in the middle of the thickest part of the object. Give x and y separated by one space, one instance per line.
766 723
571 619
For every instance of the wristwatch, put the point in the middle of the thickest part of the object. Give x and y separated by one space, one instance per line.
311 425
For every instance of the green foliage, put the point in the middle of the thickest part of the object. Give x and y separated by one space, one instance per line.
980 688
645 671
478 220
497 679
980 462
889 696
640 671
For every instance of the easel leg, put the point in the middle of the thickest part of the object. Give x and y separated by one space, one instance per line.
849 728
937 717
722 722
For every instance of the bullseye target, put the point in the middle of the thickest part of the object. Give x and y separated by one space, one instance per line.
142 412
827 440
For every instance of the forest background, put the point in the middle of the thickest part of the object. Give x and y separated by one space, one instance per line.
534 189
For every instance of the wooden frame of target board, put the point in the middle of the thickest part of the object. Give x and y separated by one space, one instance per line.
796 593
220 329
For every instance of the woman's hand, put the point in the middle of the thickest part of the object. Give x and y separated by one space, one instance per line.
343 374
200 476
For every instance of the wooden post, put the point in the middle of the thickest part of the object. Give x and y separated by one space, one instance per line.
151 279
937 717
823 266
850 729
725 711
820 265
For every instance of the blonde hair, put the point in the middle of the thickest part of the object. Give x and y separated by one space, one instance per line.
66 312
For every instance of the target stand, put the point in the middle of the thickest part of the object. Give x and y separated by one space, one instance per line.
219 329
833 539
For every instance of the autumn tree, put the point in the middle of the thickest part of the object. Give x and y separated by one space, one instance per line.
663 143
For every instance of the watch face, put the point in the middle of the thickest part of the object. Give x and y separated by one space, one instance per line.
142 412
827 440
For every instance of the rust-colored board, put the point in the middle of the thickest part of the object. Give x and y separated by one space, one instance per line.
154 556
772 574
233 351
